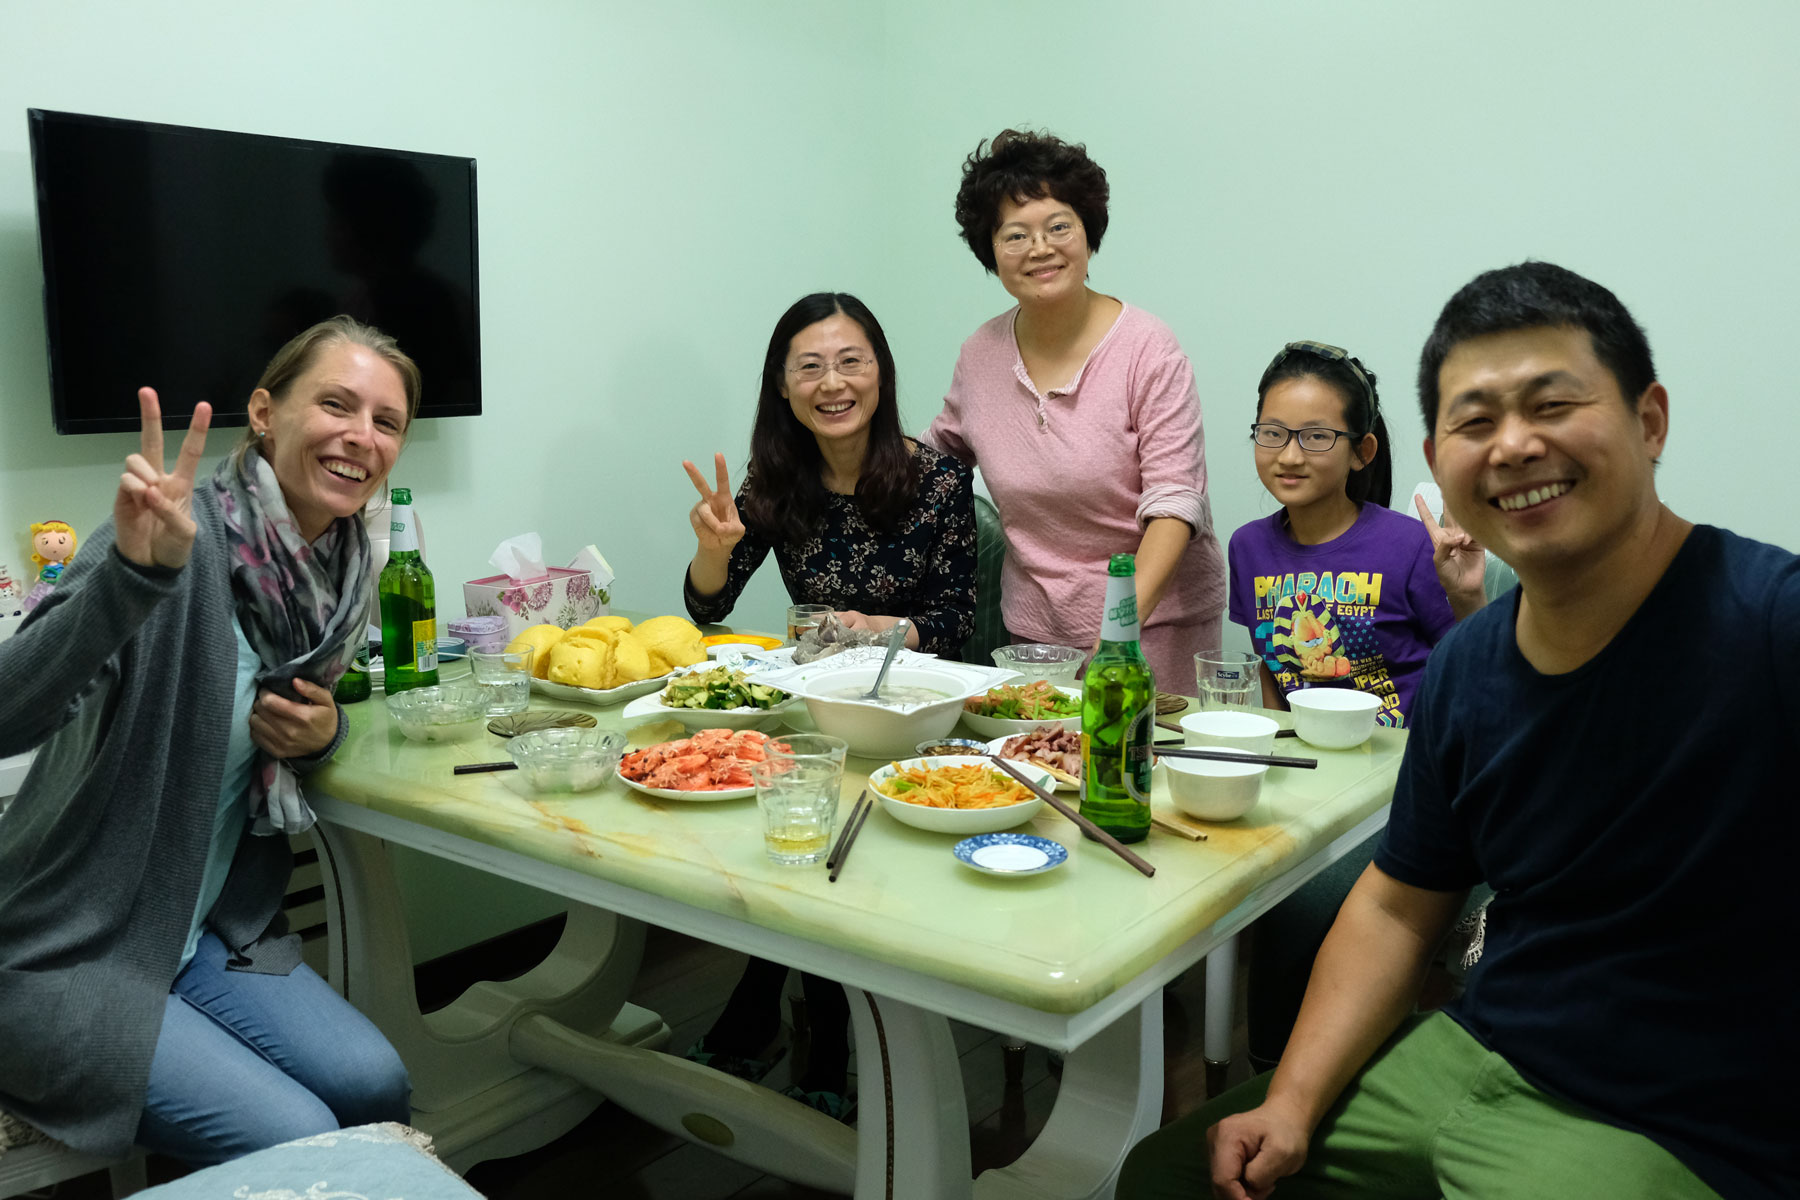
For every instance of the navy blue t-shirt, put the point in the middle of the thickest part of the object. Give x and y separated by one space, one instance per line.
1636 819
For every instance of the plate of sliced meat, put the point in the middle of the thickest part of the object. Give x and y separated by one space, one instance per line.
714 764
1055 749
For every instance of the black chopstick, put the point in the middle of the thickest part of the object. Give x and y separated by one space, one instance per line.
1088 827
477 768
859 813
1233 756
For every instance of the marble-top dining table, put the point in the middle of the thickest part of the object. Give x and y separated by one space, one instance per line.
1073 959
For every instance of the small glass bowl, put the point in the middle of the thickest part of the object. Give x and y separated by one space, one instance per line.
566 760
1041 660
438 714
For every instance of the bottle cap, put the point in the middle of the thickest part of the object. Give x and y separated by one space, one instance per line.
1122 564
402 495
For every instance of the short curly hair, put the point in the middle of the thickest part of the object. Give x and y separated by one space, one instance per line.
1019 165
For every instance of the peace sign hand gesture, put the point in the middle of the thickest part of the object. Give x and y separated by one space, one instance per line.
715 517
153 514
1459 559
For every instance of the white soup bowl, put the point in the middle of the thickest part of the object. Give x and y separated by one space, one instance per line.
1334 718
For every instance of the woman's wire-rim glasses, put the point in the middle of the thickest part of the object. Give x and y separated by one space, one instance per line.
1016 240
848 365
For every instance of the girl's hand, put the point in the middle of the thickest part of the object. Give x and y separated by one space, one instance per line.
1460 560
876 623
294 729
715 517
153 513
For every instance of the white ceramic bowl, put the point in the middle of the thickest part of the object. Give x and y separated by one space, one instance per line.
959 821
1041 660
566 760
993 727
1334 718
445 713
1213 791
881 731
1249 732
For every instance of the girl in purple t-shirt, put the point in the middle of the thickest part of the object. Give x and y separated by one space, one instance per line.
1336 589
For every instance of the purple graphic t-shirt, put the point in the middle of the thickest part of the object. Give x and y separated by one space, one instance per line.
1362 610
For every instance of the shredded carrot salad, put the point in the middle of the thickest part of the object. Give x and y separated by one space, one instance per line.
966 786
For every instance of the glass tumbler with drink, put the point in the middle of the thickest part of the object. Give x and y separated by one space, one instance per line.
504 677
802 617
797 787
1227 678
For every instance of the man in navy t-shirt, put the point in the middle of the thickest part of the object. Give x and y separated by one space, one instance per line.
1609 747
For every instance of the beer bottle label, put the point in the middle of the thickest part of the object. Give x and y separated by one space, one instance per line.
1119 623
424 637
403 534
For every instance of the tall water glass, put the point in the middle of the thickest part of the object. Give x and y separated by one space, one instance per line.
797 787
1227 678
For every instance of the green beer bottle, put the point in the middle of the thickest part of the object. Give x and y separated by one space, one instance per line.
1118 711
408 606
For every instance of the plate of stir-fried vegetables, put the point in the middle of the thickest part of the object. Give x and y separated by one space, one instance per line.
961 794
1021 707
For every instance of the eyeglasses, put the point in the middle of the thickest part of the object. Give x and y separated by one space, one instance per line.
850 364
1314 439
1015 241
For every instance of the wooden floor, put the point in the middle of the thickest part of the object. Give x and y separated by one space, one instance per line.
614 1154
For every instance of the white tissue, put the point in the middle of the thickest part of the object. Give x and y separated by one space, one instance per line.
520 557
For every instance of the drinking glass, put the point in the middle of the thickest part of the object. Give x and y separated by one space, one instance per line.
797 787
1225 678
802 617
504 677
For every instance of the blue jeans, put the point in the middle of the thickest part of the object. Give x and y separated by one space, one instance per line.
247 1061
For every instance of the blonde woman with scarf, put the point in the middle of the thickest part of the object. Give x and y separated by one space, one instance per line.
176 685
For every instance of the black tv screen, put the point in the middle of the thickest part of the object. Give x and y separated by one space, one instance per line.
182 259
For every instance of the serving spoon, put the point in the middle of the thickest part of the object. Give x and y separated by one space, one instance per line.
896 639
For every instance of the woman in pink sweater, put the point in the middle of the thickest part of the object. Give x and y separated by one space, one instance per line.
1082 414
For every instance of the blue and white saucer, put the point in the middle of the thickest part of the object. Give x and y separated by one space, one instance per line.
1010 853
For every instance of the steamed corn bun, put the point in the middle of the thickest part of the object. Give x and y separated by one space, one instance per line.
611 623
630 661
581 663
539 639
671 642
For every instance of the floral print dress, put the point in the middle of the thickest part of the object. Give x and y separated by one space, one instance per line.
923 570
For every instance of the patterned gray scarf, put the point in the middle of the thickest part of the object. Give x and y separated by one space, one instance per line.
301 606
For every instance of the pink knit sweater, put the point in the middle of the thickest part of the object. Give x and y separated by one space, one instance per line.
1078 471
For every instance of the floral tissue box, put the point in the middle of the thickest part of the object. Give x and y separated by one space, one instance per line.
566 597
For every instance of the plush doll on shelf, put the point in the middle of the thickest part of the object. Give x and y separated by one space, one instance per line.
52 546
12 594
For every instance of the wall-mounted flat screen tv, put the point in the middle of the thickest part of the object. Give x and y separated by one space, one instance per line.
183 258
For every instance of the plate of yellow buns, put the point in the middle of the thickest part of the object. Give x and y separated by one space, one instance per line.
608 660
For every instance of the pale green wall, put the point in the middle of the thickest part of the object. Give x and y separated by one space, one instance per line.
659 180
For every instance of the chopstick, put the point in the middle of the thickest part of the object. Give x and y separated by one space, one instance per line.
859 812
1088 827
474 768
1233 756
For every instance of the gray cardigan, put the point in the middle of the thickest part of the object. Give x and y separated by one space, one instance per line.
123 678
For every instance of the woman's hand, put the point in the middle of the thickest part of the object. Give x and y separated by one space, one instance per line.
294 729
715 517
153 513
876 623
1460 560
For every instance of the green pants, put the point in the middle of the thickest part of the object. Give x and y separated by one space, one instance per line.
1432 1114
